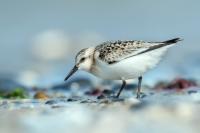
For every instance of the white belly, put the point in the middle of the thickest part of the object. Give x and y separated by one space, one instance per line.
130 68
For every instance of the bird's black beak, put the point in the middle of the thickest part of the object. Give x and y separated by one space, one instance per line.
74 69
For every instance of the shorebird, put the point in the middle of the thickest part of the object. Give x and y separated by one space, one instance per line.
121 60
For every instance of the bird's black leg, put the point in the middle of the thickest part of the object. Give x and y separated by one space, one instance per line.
139 87
122 87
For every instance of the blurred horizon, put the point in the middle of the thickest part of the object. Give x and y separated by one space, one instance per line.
39 39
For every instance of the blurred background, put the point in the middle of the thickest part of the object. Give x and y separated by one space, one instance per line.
39 39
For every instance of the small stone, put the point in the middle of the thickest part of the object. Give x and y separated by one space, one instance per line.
101 97
117 99
41 95
151 93
72 100
56 106
94 92
88 101
50 102
177 84
192 91
107 92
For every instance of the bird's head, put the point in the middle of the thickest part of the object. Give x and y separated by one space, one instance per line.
83 61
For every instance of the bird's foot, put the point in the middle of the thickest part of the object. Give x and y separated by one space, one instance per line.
138 96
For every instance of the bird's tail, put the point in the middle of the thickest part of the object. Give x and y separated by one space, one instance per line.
172 41
158 45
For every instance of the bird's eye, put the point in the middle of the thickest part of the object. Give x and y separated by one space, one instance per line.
82 59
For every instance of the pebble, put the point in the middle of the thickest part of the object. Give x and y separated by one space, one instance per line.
108 92
94 92
192 91
50 102
41 95
178 84
74 99
101 96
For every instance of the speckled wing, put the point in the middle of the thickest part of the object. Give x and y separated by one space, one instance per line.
112 52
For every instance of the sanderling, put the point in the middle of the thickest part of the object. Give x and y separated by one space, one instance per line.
121 60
